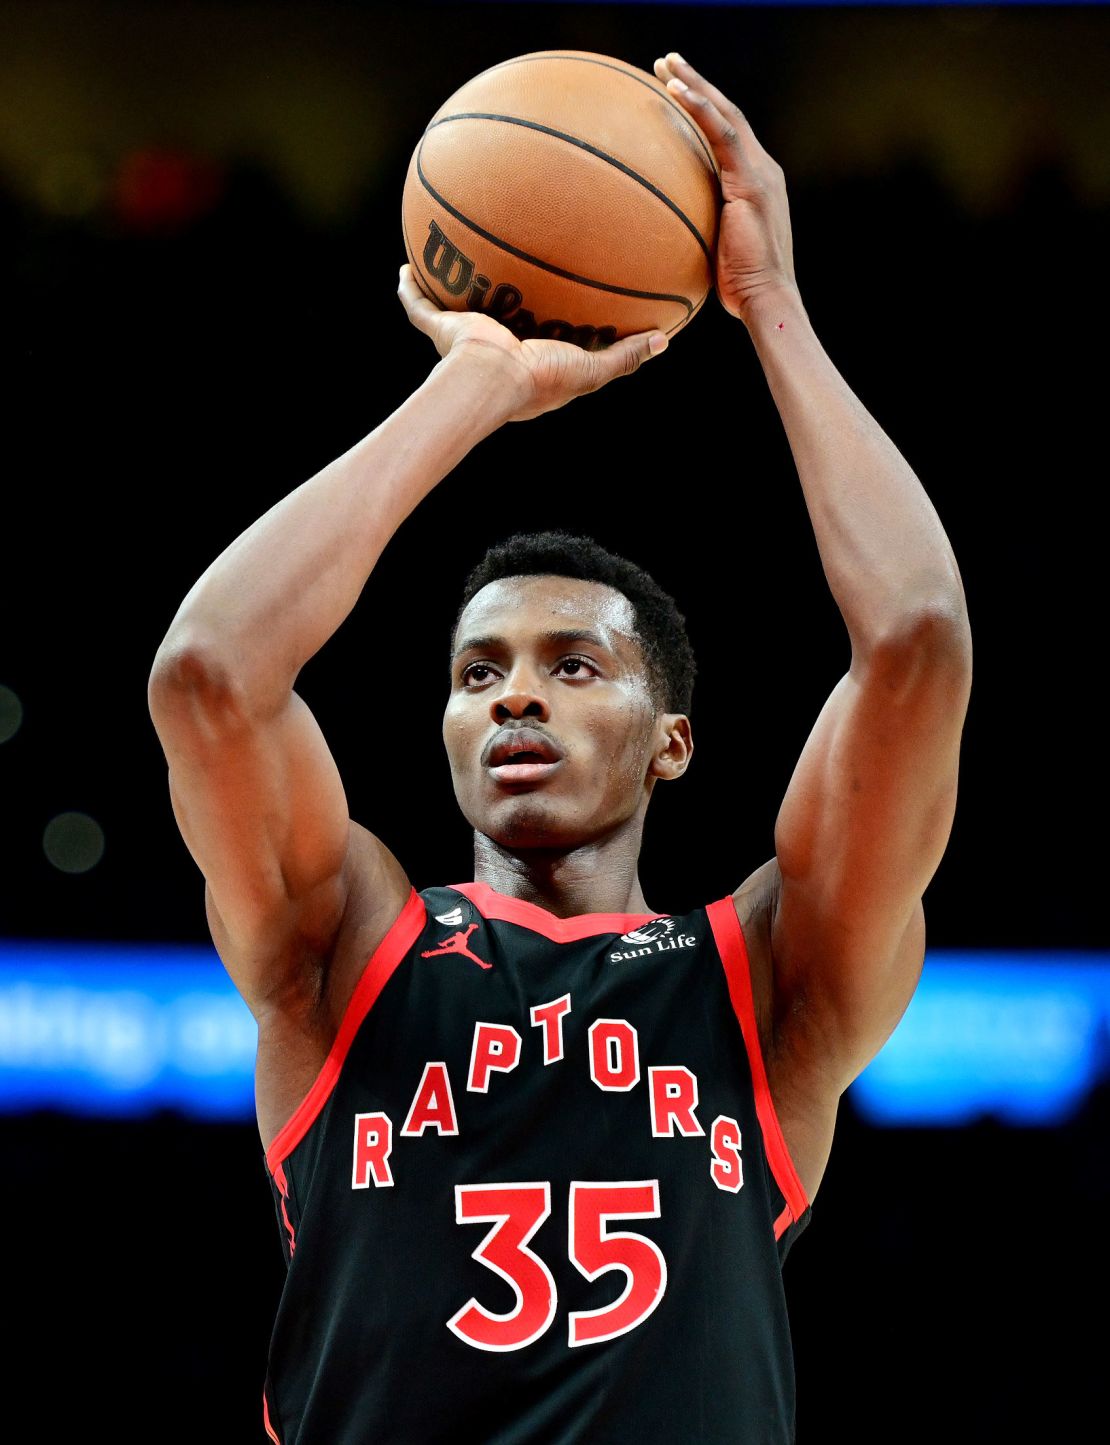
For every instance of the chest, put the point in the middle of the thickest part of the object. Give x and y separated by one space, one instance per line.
609 1054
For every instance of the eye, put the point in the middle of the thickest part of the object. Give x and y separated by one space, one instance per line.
574 667
477 673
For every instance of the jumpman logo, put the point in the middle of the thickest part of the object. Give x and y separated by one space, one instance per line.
457 944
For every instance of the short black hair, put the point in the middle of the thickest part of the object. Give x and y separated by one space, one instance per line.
660 627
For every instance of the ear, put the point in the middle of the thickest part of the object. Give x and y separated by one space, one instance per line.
674 746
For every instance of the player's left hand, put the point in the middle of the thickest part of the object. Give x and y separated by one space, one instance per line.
538 374
755 251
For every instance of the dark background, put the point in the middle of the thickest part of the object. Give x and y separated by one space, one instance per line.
199 210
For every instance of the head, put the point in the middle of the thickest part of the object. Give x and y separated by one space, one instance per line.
571 676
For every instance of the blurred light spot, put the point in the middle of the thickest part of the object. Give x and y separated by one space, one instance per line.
73 842
122 1028
161 190
1017 1037
70 184
11 713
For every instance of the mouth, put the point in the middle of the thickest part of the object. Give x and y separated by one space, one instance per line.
522 755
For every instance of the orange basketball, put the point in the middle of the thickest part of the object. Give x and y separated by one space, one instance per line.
568 195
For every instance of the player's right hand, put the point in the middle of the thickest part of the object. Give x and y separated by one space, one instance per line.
755 248
543 375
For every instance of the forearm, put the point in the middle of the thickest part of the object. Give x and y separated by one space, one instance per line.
886 556
283 587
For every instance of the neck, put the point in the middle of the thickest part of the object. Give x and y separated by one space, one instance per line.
598 877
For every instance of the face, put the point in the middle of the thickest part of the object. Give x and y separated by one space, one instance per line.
551 731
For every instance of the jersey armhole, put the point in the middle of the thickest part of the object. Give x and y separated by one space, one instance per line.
729 937
382 964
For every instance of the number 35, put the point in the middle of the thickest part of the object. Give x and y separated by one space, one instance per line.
517 1211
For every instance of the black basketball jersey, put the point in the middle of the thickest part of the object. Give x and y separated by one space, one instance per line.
538 1193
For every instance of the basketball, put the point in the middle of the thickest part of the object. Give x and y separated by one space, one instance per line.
567 195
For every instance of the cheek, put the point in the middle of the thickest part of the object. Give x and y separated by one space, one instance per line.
456 736
624 740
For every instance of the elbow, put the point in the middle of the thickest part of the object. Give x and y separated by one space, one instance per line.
931 641
937 625
932 623
191 675
202 676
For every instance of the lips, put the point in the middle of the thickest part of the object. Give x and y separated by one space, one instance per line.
522 756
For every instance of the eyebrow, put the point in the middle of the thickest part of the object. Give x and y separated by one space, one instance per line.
493 643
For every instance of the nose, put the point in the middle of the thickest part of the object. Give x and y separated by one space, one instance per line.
521 698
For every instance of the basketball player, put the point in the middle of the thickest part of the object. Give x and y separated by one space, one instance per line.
537 1150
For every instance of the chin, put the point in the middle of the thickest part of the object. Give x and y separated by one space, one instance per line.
529 821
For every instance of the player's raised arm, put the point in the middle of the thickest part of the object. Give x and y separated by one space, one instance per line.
869 808
254 787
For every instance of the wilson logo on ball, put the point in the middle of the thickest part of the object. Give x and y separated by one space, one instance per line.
455 272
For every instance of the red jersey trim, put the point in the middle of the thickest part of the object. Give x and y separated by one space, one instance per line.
283 1186
501 907
403 933
266 1418
729 937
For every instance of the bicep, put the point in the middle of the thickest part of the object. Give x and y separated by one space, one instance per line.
860 833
